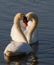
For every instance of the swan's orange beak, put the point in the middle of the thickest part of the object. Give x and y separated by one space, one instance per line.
25 24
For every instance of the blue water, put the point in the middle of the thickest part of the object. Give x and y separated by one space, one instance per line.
45 11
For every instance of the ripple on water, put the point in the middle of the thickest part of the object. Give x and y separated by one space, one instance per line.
46 52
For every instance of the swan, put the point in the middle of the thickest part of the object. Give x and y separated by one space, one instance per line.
31 31
16 32
19 43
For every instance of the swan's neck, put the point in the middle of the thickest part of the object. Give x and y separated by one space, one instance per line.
31 30
18 29
33 25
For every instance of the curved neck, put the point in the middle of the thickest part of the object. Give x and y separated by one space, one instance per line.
33 25
31 29
18 28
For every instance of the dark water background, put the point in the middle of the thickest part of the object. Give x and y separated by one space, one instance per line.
45 11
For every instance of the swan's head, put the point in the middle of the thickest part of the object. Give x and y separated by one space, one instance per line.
18 17
31 15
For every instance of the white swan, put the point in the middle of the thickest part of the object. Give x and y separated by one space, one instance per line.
31 32
16 32
19 43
